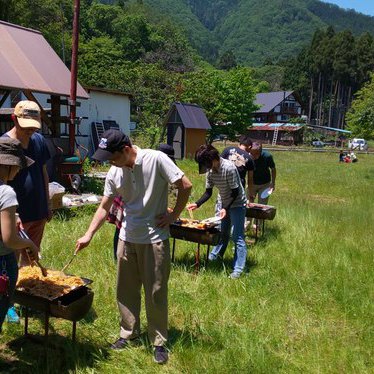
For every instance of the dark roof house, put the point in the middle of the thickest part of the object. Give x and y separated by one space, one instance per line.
187 127
278 106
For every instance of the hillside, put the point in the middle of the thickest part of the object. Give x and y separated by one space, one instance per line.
256 30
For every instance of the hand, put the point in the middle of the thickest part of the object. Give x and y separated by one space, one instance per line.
222 213
272 185
19 224
164 220
32 252
82 242
191 206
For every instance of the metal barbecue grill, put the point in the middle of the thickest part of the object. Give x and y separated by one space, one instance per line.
209 236
72 306
260 212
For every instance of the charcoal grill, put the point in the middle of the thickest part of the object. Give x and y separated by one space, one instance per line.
260 212
72 306
209 236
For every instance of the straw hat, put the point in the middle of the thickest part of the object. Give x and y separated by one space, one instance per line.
11 153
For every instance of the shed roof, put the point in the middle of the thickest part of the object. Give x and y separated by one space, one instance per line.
272 126
268 101
28 62
333 129
192 116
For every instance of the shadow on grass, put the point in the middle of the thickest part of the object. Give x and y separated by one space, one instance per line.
58 355
187 262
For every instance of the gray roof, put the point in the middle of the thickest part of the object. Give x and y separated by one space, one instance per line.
28 62
192 116
268 101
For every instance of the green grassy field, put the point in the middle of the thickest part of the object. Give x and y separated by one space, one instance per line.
304 305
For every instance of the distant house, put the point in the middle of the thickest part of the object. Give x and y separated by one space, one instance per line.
187 127
277 133
278 107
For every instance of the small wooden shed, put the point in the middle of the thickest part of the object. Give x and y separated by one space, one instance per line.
187 127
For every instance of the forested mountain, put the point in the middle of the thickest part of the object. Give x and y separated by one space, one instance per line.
256 30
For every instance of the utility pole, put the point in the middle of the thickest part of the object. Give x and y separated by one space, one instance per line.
73 77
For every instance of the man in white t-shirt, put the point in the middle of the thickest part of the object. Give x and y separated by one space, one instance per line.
141 177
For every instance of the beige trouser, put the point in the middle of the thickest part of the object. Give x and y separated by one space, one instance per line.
147 265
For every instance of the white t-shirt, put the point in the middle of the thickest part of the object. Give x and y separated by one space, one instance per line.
144 189
8 199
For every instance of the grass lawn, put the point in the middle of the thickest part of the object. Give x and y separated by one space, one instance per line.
304 305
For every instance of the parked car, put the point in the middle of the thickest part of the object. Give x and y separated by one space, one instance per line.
358 144
318 143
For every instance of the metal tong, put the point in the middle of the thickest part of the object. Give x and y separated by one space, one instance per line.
42 268
69 262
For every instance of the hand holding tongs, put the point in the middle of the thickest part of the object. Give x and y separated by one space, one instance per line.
42 268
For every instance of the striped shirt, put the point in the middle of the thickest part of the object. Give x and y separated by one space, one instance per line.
226 179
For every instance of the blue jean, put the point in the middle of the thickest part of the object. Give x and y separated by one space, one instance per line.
8 264
235 218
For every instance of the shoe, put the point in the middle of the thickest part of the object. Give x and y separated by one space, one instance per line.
161 355
120 343
212 257
234 275
12 316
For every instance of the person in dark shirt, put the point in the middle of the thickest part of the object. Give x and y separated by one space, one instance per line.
31 184
264 174
243 161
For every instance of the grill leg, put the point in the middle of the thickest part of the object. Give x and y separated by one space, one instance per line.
172 254
46 324
263 227
197 258
74 335
207 255
26 321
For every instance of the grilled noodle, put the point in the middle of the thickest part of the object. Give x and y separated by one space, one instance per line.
56 284
193 223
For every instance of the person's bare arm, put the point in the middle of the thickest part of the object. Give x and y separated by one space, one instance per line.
97 221
273 177
184 187
251 187
10 236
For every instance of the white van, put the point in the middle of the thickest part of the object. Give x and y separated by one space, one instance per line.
358 144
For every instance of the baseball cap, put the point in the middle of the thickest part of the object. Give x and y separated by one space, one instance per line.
111 141
28 114
11 153
168 150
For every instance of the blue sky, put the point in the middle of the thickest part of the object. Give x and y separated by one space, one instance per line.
363 6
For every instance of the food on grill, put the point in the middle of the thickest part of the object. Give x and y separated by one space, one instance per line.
193 223
55 284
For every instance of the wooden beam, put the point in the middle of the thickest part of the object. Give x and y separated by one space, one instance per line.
5 96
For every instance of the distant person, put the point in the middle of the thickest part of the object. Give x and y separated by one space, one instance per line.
12 160
224 175
241 158
341 156
264 174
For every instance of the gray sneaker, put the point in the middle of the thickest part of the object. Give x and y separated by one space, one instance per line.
161 355
212 257
235 275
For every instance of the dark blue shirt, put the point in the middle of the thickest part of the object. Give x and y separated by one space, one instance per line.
263 165
241 159
29 183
